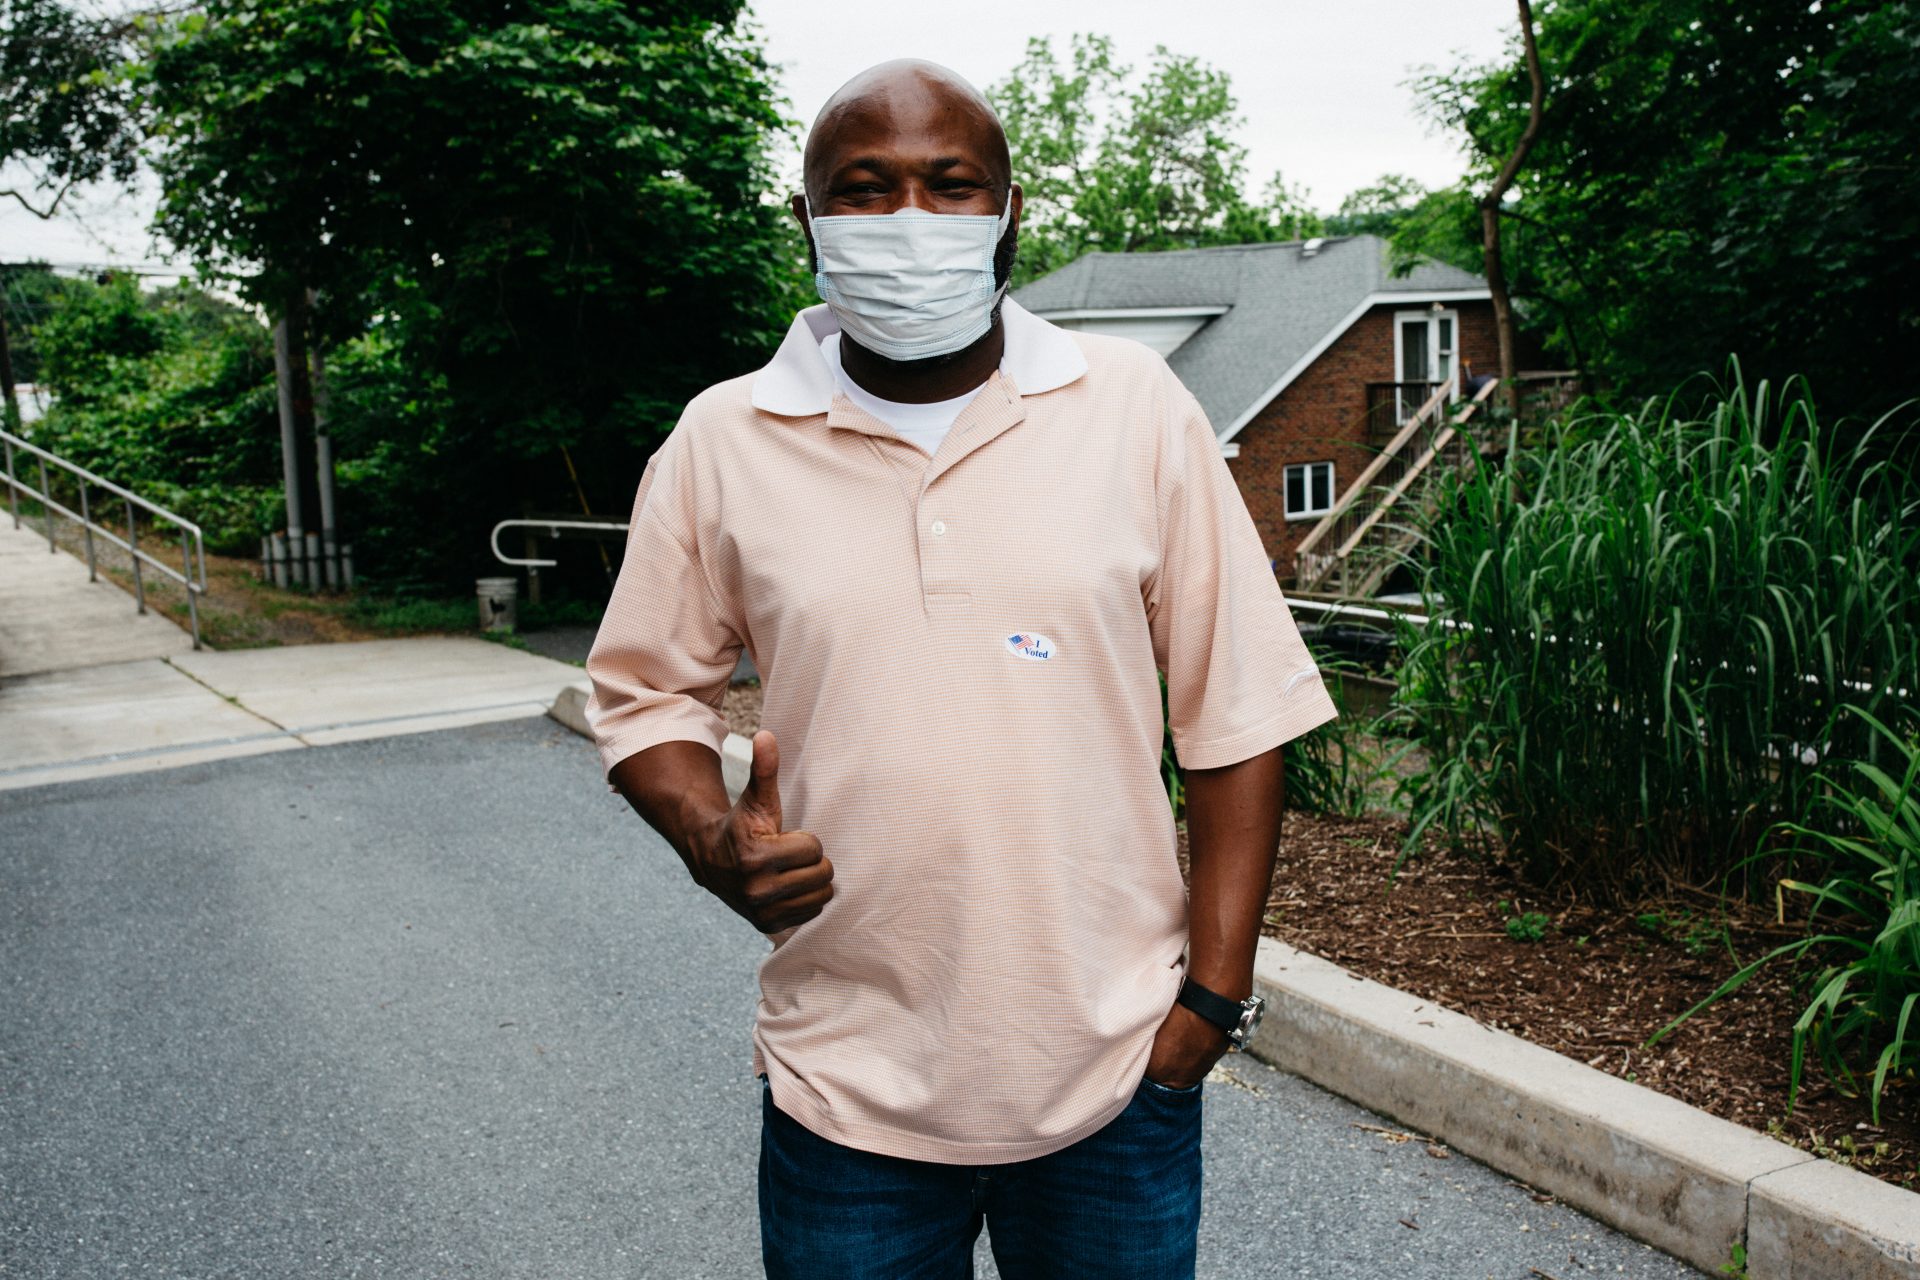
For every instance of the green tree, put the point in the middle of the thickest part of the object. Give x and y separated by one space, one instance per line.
557 208
1712 178
66 117
170 392
66 114
1380 208
1110 161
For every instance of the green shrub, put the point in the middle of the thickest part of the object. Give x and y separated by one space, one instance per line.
170 394
1646 632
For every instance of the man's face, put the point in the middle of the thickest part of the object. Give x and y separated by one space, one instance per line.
908 142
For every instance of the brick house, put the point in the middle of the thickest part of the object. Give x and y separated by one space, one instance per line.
1307 356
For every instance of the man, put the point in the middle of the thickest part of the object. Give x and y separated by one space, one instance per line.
958 541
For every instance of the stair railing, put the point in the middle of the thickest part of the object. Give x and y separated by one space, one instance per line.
1357 518
1311 566
192 544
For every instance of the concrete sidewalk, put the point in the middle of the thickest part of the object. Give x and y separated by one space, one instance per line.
90 687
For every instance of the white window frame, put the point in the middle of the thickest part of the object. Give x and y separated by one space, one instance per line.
1433 319
1311 512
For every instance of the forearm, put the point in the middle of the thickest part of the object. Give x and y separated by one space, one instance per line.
678 788
1233 835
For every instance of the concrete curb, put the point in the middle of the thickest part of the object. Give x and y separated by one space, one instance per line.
736 755
1684 1181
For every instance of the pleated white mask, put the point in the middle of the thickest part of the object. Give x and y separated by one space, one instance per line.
910 284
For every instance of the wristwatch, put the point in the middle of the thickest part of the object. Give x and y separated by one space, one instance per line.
1237 1018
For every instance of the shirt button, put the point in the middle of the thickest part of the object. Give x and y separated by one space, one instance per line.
939 528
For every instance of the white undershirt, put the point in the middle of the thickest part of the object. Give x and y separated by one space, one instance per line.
924 425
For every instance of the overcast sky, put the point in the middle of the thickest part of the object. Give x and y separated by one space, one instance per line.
1320 83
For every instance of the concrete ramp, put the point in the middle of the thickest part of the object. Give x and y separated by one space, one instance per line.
53 619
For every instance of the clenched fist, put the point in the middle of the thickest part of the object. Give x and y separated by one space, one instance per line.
776 879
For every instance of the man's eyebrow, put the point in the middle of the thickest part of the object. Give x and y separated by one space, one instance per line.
879 164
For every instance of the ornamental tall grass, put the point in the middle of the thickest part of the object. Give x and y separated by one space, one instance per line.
1649 629
1861 888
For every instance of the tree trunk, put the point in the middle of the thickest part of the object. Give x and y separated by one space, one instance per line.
1490 212
1502 305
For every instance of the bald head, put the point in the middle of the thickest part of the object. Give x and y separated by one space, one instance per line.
900 116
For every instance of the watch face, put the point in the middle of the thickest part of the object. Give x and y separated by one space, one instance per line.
1254 1009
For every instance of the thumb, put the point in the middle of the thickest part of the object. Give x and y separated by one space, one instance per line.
762 793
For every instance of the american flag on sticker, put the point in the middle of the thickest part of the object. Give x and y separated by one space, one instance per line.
1030 644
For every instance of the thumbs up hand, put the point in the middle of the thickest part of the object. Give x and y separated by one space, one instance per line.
774 878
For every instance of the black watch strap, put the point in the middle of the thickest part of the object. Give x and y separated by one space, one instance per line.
1211 1005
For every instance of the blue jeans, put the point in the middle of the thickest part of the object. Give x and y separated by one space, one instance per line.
1122 1203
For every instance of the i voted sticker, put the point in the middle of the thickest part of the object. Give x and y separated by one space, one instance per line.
1031 645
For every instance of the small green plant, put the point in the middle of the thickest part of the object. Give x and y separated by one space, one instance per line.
1524 926
1528 926
1696 936
1736 1263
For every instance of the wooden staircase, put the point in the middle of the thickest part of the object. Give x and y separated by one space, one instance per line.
1353 549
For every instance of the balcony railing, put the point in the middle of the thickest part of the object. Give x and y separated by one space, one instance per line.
1391 405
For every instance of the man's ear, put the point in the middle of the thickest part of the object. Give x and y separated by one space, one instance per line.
1008 249
797 204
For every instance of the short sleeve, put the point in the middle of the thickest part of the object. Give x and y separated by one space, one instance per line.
1240 680
661 661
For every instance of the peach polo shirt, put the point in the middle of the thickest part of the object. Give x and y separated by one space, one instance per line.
958 655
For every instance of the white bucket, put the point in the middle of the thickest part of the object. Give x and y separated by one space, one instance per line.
499 600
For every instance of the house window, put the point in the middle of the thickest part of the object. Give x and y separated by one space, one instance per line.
1309 489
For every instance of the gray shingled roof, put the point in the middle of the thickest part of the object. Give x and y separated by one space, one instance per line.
1279 303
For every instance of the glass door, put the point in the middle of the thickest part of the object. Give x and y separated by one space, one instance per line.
1424 343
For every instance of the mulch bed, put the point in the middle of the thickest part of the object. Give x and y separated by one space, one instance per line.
1594 986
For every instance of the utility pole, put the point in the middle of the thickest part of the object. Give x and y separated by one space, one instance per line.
296 430
331 571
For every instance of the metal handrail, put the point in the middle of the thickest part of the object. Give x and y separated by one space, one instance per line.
1352 522
553 528
1344 505
190 551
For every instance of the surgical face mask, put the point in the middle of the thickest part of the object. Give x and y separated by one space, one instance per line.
911 284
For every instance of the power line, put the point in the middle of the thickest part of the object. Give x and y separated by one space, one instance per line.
124 268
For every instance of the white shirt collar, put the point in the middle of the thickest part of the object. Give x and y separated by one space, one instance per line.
797 383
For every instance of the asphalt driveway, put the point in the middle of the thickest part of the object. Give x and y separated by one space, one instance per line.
439 1005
